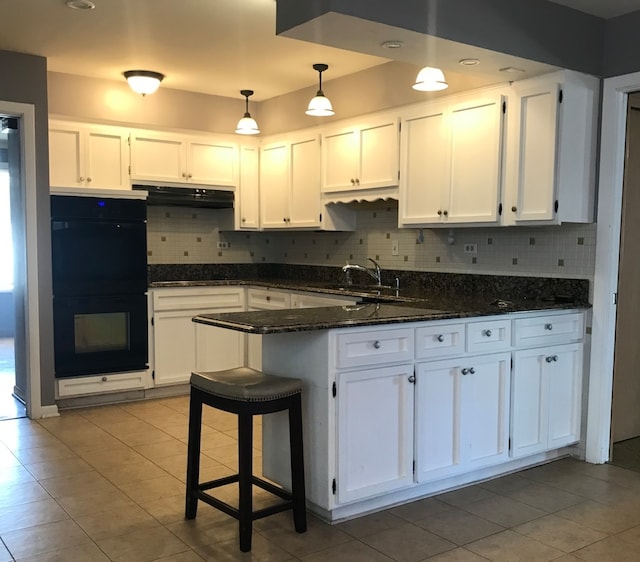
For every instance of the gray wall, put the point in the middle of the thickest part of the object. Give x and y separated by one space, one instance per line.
24 80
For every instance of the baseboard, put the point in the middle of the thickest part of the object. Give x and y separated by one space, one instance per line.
49 411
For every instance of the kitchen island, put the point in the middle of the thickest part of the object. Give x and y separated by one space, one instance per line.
402 401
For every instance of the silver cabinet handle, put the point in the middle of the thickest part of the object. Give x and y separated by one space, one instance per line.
465 371
548 327
440 338
104 379
550 358
487 333
376 344
555 357
412 379
472 371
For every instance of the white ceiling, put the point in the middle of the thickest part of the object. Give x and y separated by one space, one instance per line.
211 46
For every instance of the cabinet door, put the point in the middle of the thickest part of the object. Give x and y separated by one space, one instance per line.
274 185
107 158
485 410
66 164
375 432
218 348
378 154
424 161
174 346
248 194
158 157
211 162
305 183
262 299
534 165
565 394
339 160
476 156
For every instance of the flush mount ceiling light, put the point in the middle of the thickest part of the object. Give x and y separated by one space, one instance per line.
320 106
247 125
392 44
469 62
430 79
81 4
143 81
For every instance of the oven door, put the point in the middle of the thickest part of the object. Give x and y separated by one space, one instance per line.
95 335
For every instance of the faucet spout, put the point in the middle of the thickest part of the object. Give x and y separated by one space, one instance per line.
375 273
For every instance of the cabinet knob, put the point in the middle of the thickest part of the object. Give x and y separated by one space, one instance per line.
357 181
439 213
243 219
89 180
268 298
465 371
284 219
472 371
81 178
412 379
440 338
189 175
514 208
548 358
184 174
353 181
376 344
445 213
548 327
555 357
487 333
104 379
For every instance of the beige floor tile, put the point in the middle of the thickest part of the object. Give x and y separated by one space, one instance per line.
76 506
166 510
319 536
419 509
505 485
162 450
458 555
512 547
7 458
601 517
24 492
83 483
14 474
153 435
545 497
88 552
459 526
18 442
5 555
153 488
465 496
370 524
504 511
46 453
262 550
178 431
219 420
32 514
142 547
611 549
44 538
560 533
58 468
188 556
133 472
117 522
212 438
122 429
353 551
106 458
177 466
203 531
408 543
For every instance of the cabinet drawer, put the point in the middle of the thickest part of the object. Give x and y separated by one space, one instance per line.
188 298
494 335
374 348
263 299
100 384
548 329
440 341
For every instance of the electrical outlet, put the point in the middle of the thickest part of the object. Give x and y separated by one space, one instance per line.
395 248
223 245
470 248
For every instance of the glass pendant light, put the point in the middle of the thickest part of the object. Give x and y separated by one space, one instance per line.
247 125
143 81
320 106
430 79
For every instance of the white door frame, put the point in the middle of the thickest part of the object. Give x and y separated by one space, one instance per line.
612 157
32 313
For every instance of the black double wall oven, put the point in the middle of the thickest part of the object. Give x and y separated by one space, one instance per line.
99 261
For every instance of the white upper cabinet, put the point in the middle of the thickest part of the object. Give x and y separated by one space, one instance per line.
248 199
290 182
88 156
450 161
362 156
167 157
551 155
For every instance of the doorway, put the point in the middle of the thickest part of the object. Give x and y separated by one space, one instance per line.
625 417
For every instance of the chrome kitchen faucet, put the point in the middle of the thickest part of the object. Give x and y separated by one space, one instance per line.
375 273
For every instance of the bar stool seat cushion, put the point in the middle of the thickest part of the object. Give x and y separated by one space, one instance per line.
245 384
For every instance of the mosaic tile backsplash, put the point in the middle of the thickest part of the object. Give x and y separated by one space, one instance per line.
190 236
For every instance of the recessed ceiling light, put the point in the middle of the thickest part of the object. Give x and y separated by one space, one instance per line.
81 4
469 62
392 44
512 69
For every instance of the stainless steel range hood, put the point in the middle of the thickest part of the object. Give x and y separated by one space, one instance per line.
192 196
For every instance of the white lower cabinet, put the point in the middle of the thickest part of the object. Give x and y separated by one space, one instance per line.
181 346
546 396
462 414
375 431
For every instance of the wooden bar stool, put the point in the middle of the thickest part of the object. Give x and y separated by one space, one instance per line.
246 392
